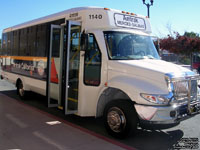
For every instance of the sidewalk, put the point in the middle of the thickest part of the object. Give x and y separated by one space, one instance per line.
25 128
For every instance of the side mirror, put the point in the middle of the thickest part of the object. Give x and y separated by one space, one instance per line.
84 41
156 42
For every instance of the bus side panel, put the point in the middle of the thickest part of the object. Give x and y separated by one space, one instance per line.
31 70
30 84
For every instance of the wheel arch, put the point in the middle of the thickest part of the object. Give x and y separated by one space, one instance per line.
110 94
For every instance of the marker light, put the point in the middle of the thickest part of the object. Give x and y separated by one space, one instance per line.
106 9
123 12
132 14
106 84
128 13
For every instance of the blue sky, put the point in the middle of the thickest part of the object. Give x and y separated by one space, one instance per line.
179 15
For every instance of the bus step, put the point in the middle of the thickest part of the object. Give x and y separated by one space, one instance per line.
60 107
68 112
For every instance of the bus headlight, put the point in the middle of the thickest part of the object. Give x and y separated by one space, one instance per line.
154 98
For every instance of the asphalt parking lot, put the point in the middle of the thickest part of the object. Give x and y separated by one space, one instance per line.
185 133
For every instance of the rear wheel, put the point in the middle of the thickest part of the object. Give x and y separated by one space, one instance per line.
20 90
120 118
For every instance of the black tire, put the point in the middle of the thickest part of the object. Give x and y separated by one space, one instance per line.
20 90
120 118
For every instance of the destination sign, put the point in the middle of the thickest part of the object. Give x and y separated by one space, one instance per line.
127 21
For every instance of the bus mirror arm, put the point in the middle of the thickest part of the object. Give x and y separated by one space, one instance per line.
84 41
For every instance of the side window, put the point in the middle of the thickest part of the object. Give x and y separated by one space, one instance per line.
15 43
56 43
9 44
41 40
31 34
92 64
23 42
4 43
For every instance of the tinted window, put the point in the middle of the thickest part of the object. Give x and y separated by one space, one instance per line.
4 43
9 44
56 42
31 34
15 43
30 41
92 65
41 40
23 42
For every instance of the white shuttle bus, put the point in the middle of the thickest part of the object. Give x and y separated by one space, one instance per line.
99 62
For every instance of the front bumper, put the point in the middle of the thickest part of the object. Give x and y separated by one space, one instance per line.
166 114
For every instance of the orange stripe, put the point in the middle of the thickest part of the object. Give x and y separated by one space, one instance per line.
27 58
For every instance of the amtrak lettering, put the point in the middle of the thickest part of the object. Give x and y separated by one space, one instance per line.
131 19
127 21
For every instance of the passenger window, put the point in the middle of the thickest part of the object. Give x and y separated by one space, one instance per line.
22 43
4 43
56 43
41 40
92 64
15 43
9 43
31 33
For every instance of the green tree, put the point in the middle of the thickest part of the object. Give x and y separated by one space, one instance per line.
191 34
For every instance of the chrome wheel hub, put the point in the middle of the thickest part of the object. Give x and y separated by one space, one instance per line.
116 119
21 92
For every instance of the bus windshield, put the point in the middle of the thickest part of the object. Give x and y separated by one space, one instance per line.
129 46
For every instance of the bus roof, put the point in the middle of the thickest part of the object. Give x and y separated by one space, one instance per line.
45 19
111 18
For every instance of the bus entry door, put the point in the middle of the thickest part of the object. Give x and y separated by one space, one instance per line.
73 66
54 66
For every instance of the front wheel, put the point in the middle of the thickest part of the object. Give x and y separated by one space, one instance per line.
120 118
